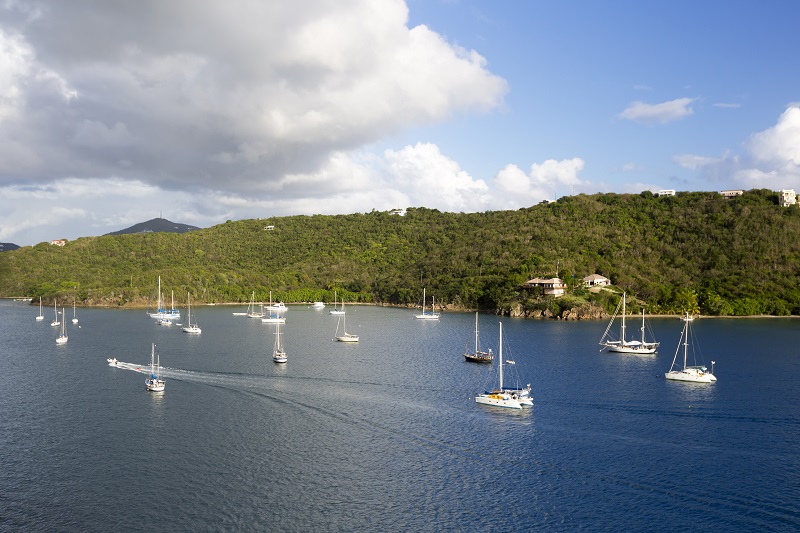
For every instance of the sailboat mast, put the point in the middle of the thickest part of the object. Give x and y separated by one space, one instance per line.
685 339
622 329
476 332
501 356
643 327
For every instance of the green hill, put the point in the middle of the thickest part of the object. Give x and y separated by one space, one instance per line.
697 251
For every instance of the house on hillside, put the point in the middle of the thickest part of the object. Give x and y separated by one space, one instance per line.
596 280
731 193
666 192
58 242
787 197
552 287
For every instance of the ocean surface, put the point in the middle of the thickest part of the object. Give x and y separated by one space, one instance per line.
385 435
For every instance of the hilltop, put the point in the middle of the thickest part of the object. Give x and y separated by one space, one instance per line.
698 251
7 246
156 225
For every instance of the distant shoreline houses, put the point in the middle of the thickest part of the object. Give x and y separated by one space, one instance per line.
556 287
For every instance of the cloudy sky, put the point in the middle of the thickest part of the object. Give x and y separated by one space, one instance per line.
116 112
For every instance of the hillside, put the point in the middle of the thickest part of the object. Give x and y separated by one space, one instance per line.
156 225
8 246
700 251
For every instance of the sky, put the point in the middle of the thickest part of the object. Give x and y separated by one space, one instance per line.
113 113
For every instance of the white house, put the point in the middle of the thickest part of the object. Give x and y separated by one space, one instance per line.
787 197
731 193
666 192
552 287
596 280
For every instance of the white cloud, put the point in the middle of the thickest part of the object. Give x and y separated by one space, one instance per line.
514 188
694 162
727 106
234 94
661 113
779 144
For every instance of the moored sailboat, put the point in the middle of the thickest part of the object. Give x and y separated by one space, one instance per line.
503 397
190 327
694 373
278 352
641 347
433 315
478 355
62 337
344 336
41 316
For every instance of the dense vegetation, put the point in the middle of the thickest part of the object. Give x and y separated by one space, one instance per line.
695 251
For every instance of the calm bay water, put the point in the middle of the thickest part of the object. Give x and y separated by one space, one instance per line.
385 434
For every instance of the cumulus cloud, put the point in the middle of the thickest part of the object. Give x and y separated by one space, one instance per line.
269 102
515 188
770 159
234 94
658 113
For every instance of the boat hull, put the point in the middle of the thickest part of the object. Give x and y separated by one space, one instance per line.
155 385
636 350
347 338
496 399
690 375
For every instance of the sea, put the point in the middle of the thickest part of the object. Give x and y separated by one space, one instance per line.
384 434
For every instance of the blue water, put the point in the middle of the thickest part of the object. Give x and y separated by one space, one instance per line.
385 435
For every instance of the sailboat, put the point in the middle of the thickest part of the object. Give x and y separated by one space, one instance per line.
433 315
274 316
56 321
336 311
698 373
190 328
344 336
622 345
62 338
279 307
478 356
74 316
251 310
278 353
502 397
161 313
41 316
154 383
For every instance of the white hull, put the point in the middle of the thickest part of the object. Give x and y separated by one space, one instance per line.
39 318
274 320
347 338
192 329
640 350
427 316
692 375
155 385
279 357
62 340
336 312
239 314
318 305
497 399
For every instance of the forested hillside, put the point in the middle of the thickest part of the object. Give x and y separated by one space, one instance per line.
697 251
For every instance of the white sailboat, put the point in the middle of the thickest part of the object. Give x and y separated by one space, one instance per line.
154 383
251 311
336 311
62 337
273 316
279 307
161 312
433 315
344 336
190 328
74 315
56 321
41 316
501 397
696 373
478 356
278 353
622 345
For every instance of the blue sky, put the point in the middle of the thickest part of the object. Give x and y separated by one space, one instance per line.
112 114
